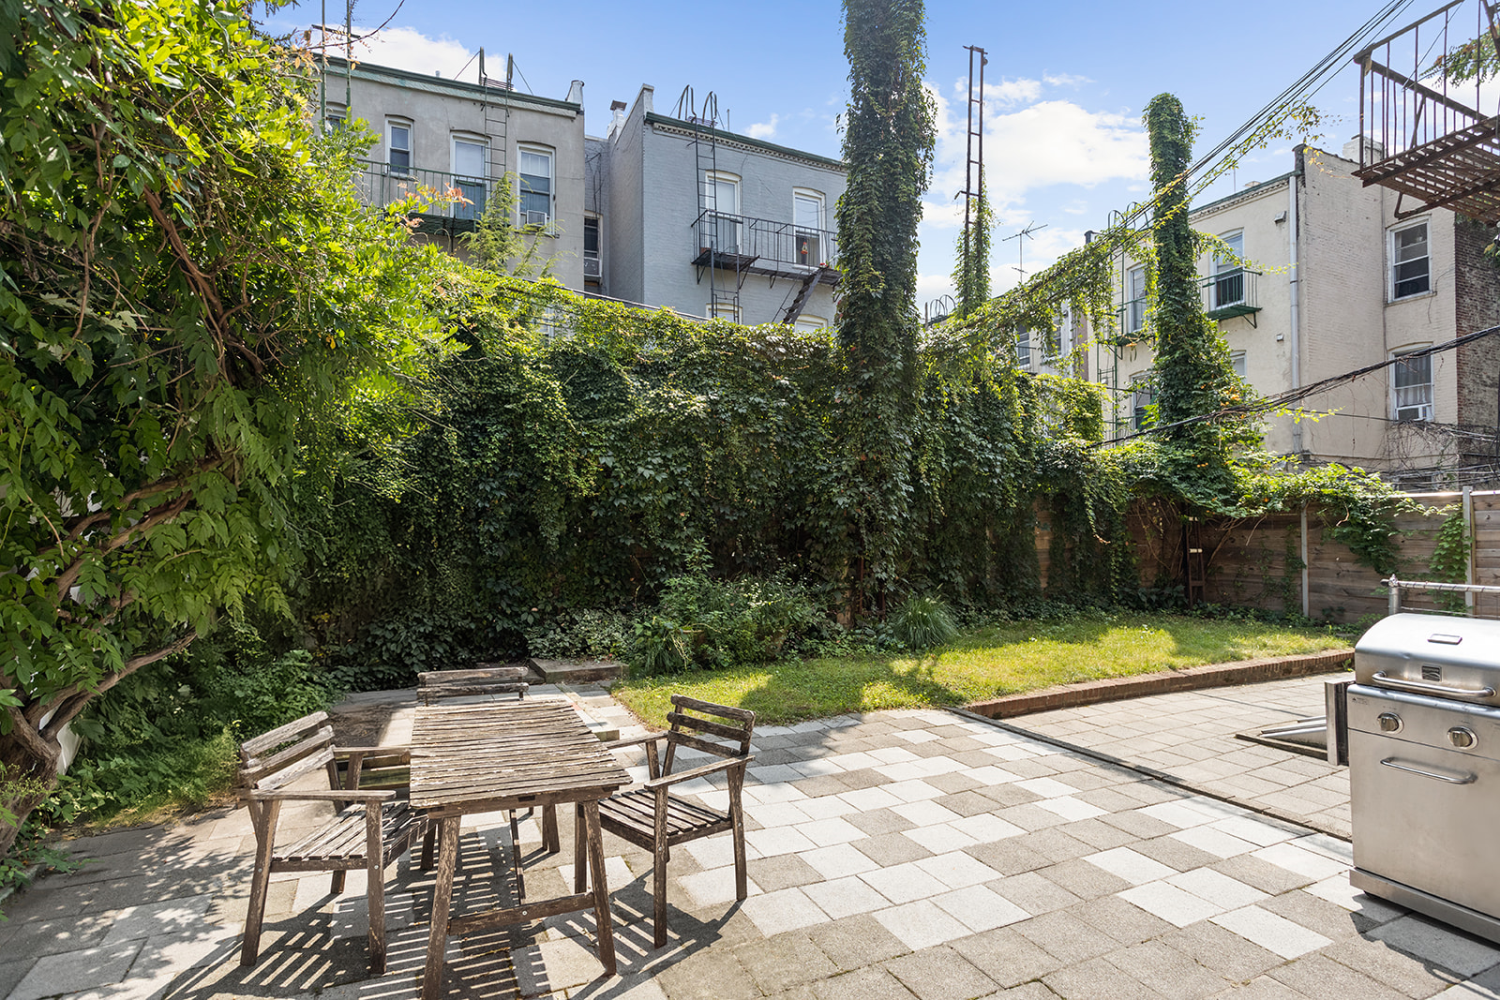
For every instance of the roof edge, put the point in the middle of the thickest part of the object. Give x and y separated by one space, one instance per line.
653 118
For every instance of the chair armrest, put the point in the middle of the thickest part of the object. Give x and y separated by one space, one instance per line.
321 795
698 772
635 741
390 751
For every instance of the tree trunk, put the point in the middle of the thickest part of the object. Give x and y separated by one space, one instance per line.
27 774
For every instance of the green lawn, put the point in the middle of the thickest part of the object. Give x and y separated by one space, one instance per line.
984 663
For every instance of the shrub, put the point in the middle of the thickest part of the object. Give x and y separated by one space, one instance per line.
731 622
586 634
660 646
922 623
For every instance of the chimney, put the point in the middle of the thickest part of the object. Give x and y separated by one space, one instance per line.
575 93
1374 151
616 117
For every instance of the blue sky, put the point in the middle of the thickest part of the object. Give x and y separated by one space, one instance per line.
1065 85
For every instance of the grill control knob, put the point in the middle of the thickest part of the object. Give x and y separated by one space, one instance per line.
1390 722
1462 737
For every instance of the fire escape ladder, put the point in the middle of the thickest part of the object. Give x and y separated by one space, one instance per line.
809 282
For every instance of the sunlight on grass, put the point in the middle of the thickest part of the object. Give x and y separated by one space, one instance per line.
984 663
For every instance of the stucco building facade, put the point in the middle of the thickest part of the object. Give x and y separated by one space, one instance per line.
1334 280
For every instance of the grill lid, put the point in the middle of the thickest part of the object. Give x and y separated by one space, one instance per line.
1455 658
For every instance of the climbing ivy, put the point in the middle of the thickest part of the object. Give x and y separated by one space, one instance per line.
971 274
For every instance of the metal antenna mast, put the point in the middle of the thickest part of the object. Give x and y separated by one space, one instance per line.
1031 227
974 165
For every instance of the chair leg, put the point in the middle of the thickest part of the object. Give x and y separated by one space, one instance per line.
375 890
428 841
338 883
265 831
659 870
737 815
549 829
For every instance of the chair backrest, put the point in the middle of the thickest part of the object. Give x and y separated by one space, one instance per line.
725 732
435 685
275 759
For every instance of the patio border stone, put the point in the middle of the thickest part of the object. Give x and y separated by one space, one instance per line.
1213 675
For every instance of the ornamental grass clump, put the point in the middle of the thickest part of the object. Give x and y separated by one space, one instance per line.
922 623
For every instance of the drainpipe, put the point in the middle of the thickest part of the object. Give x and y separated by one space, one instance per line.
1296 338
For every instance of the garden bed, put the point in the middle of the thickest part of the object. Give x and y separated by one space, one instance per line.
981 664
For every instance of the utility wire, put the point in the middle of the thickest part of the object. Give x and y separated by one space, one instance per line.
1292 396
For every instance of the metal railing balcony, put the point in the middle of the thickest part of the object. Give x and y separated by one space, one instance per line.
762 246
1231 293
451 197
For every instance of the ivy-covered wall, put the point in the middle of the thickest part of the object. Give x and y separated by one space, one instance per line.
578 454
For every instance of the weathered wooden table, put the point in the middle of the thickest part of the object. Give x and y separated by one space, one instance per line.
512 755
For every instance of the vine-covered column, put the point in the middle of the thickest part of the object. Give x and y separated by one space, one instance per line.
888 143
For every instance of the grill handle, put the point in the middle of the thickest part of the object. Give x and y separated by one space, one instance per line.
1439 690
1466 779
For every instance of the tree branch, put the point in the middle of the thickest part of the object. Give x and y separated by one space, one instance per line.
161 515
31 736
76 697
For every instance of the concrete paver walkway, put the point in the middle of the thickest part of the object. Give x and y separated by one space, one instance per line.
893 855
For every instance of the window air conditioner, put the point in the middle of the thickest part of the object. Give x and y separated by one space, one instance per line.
537 218
1406 413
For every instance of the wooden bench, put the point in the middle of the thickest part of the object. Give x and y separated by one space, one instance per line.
369 829
438 685
647 816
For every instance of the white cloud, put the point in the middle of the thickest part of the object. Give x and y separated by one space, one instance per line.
409 49
932 286
763 130
1059 142
1065 80
1021 91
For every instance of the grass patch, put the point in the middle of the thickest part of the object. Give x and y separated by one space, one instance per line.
981 663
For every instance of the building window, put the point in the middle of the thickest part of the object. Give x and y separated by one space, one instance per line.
1057 339
592 268
1229 274
806 322
1143 397
1023 348
723 309
1237 361
1135 299
398 146
536 186
1411 380
1411 266
469 178
807 224
721 200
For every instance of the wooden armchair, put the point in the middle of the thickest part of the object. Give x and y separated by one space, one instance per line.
369 830
648 816
435 686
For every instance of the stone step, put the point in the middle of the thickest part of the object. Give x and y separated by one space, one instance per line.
577 671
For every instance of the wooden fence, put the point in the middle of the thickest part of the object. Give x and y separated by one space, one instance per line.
1287 562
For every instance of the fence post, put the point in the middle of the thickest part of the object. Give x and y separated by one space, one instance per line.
1469 548
1306 592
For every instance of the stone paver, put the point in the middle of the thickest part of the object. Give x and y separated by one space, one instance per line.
910 854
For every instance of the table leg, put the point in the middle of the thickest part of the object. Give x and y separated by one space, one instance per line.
442 899
601 888
580 849
549 829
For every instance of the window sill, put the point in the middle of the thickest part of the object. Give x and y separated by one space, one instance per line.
1412 298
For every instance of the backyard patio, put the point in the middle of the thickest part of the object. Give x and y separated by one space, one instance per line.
897 854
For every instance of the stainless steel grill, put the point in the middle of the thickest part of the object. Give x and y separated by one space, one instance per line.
1424 767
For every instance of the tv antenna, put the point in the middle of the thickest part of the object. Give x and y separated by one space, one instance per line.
1031 227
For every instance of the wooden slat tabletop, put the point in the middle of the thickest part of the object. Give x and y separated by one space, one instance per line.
479 753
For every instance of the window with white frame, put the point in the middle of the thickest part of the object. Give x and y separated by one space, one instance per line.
807 226
721 197
1143 398
1135 299
1237 361
592 266
1411 264
535 208
334 116
1411 385
468 158
398 145
723 309
806 322
1023 348
1057 336
1229 274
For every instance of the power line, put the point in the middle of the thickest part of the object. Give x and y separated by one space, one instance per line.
1292 396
